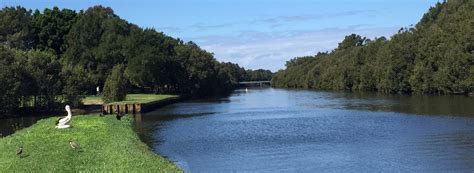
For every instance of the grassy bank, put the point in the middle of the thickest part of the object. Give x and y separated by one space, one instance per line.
108 145
131 98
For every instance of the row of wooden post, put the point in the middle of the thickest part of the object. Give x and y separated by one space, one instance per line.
122 108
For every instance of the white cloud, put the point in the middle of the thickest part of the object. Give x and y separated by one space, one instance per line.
255 50
307 17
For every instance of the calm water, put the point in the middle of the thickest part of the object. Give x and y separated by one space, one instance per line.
268 130
10 125
278 130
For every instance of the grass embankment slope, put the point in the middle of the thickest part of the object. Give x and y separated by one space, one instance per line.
107 145
130 99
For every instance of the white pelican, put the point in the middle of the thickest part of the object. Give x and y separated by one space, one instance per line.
63 123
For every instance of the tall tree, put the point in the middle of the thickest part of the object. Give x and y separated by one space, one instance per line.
116 86
52 27
45 70
16 29
96 42
435 57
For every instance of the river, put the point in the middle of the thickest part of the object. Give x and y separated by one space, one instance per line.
279 130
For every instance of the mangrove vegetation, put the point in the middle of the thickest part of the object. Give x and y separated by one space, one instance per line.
436 56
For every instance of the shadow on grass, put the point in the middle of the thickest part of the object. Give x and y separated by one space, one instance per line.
24 156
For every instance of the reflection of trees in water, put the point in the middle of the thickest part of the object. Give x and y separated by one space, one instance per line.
435 105
10 125
413 104
145 125
449 146
143 129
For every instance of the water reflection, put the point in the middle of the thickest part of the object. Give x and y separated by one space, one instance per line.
268 130
9 125
454 105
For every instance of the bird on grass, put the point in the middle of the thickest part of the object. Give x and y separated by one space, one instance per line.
119 115
63 123
74 145
19 152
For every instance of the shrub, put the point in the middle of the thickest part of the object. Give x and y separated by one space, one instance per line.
115 88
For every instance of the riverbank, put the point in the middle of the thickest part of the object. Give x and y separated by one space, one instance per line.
139 103
108 145
129 99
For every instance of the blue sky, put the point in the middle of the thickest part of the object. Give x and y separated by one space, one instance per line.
259 33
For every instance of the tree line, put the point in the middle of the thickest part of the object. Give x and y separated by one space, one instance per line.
57 56
436 56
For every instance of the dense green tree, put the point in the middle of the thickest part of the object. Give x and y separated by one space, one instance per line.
16 29
199 69
154 61
232 71
116 86
352 40
52 27
434 57
96 42
258 75
44 69
58 56
10 89
76 81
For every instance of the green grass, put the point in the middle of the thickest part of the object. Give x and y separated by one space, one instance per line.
92 100
108 145
131 98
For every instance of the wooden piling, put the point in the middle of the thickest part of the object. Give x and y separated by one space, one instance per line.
135 108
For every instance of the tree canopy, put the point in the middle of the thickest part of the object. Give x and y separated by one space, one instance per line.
56 56
434 57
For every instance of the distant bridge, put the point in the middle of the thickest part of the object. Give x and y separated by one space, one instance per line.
255 83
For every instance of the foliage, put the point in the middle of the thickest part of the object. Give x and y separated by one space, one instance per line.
29 79
16 29
154 60
56 56
199 70
115 88
52 27
96 42
45 85
10 91
258 75
75 83
434 57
